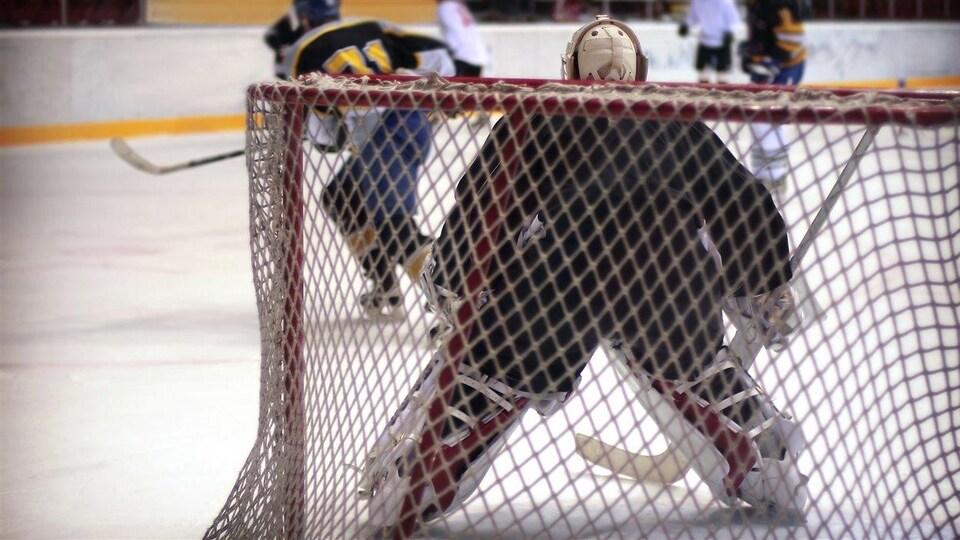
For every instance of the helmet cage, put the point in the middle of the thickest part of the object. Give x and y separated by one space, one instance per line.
571 59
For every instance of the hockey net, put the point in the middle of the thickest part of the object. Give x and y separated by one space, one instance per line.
872 377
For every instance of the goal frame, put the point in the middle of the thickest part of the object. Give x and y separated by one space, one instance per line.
787 104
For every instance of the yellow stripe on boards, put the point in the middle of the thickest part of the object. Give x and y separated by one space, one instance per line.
10 136
934 82
917 83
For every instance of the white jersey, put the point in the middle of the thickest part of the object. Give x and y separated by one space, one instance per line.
715 18
461 33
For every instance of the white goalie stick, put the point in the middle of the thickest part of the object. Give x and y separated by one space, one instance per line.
671 465
135 160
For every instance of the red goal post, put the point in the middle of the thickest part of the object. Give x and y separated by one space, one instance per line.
872 380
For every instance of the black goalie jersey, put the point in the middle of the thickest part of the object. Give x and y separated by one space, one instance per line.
599 235
366 46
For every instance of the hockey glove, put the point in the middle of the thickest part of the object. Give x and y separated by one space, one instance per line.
764 70
755 62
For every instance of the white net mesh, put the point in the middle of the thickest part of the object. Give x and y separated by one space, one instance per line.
583 242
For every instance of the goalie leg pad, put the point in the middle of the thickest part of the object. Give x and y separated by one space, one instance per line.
454 470
735 439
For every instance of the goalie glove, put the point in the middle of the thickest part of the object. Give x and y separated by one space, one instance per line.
762 68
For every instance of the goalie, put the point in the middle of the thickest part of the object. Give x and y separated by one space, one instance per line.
631 232
373 197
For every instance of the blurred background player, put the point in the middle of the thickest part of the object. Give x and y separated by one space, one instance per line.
717 20
631 232
373 197
775 53
459 30
281 35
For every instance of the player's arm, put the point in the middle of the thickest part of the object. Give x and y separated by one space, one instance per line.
279 37
418 53
788 34
690 20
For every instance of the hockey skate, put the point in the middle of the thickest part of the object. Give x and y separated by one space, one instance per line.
733 436
383 304
383 301
450 467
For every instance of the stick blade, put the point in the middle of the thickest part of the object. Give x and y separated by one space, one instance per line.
666 468
135 160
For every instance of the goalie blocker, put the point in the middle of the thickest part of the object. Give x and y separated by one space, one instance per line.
598 238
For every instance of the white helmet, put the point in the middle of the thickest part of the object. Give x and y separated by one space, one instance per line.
604 49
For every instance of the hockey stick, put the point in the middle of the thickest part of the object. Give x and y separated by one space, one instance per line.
135 160
672 465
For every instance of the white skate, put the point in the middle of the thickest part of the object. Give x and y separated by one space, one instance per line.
740 445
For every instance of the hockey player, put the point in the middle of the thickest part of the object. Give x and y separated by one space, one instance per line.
717 20
460 32
611 232
373 197
774 53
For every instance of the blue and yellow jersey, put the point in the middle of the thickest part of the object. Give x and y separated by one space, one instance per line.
366 46
776 28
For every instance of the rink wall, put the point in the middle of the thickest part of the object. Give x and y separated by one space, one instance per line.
97 83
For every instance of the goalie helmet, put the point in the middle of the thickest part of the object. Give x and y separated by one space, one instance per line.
605 50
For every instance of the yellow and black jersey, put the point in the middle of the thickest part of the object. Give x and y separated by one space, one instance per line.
776 28
366 46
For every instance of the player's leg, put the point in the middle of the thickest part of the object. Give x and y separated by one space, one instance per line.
383 177
769 156
724 61
343 200
523 351
702 397
737 441
702 63
404 151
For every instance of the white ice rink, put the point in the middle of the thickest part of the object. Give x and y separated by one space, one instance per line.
130 351
129 340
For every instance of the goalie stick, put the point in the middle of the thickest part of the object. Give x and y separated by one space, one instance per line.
135 160
671 465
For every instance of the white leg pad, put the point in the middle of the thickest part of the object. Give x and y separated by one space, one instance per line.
709 464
